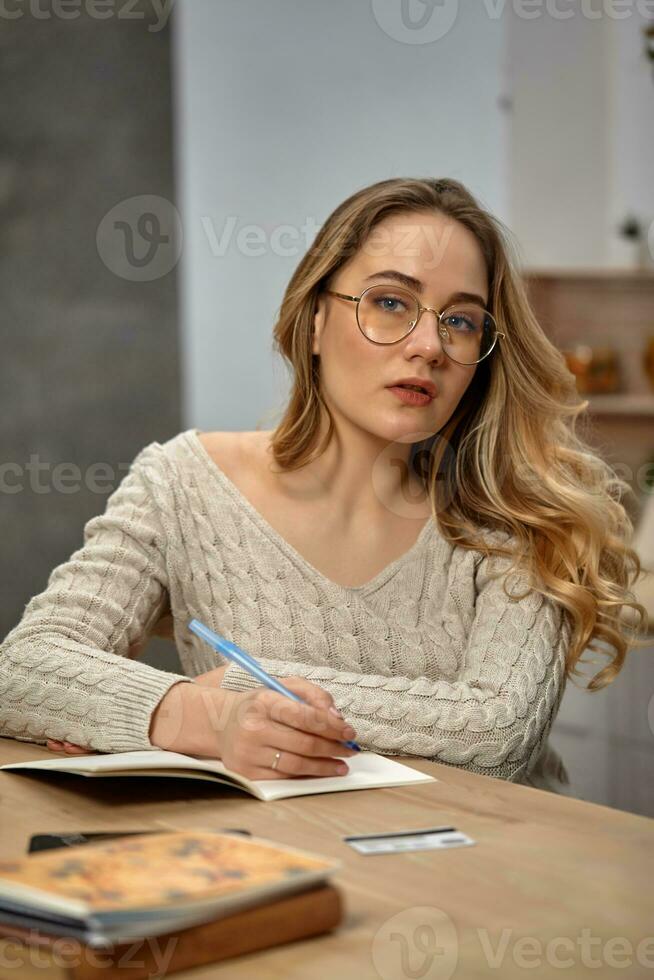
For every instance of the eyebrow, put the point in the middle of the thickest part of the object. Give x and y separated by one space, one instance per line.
412 283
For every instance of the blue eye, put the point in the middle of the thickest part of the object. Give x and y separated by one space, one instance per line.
380 300
460 323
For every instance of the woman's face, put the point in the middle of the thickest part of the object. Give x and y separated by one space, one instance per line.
355 374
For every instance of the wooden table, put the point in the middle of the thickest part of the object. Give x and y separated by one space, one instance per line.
553 887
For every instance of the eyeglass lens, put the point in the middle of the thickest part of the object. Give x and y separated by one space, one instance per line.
386 314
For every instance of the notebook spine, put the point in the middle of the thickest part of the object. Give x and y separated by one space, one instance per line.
298 916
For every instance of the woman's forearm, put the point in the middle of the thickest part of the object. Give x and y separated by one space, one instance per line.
190 718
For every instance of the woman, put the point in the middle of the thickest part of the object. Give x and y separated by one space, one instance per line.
431 565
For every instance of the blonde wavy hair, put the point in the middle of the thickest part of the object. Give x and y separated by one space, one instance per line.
510 458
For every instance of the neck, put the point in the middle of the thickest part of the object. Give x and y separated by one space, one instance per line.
361 479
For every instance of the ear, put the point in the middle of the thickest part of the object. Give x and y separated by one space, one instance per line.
318 323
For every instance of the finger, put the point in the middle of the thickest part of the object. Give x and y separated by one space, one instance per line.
260 766
311 693
72 749
305 717
68 747
307 744
291 764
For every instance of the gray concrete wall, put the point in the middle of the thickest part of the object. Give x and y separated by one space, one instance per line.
89 370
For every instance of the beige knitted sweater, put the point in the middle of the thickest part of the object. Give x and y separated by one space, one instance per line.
430 658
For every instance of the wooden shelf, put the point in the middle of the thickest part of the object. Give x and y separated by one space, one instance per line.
617 273
620 404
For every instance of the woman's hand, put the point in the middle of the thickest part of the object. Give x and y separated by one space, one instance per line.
68 747
247 729
307 736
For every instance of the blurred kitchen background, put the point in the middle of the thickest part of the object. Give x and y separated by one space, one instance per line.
163 168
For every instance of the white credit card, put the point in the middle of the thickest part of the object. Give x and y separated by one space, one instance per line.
409 840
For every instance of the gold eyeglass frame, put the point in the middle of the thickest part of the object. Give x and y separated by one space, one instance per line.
442 330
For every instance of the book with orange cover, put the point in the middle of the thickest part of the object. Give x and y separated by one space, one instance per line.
148 885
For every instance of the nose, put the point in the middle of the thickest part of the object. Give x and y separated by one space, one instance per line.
425 336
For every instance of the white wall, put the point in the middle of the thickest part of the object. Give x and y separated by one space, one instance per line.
581 147
631 110
559 143
282 110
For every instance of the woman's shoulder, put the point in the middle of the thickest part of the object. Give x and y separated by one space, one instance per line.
232 452
186 444
228 450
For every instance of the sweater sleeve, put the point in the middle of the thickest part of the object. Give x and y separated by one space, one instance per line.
493 719
65 670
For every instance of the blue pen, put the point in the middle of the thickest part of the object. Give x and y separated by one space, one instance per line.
244 660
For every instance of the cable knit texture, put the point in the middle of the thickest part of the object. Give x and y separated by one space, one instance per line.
430 658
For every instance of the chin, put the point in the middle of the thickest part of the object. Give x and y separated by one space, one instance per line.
407 431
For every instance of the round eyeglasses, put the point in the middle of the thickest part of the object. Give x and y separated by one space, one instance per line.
387 314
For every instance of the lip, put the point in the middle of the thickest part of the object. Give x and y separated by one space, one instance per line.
425 383
418 399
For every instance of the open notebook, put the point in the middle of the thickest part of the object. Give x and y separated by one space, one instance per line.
367 771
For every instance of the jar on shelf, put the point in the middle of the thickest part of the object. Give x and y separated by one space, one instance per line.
648 360
596 369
